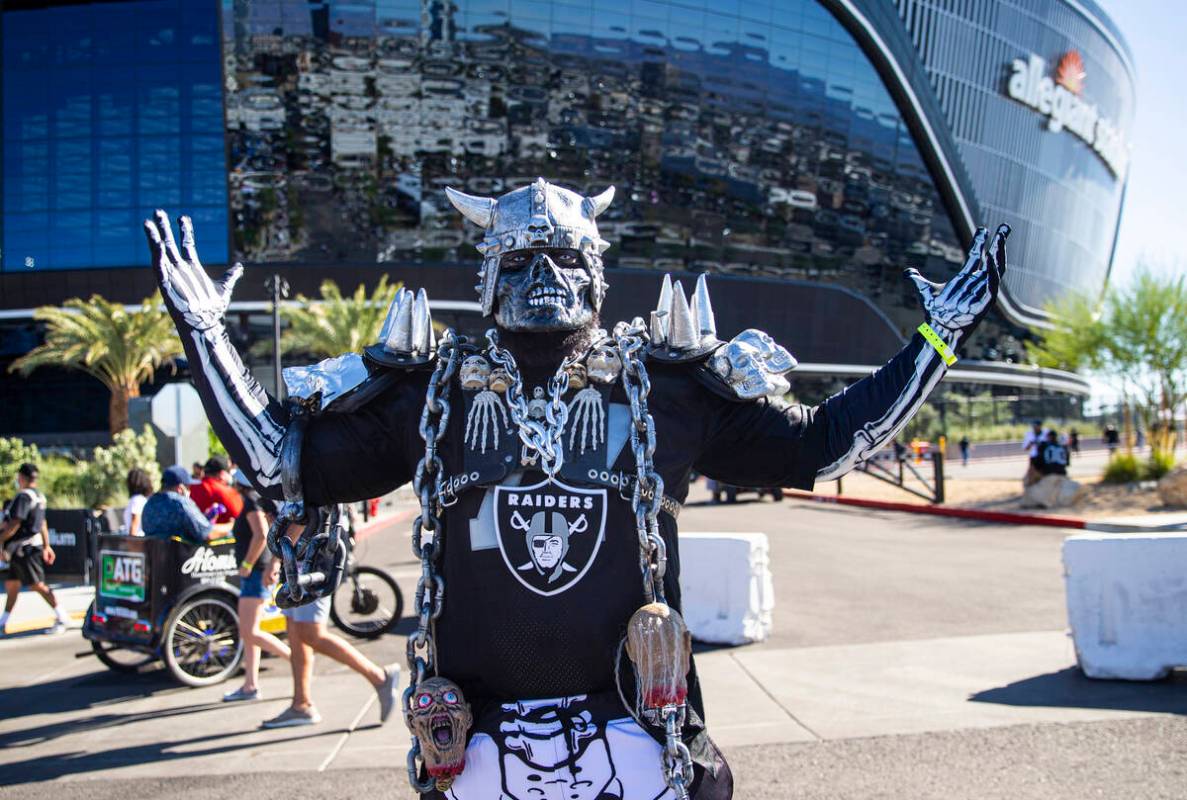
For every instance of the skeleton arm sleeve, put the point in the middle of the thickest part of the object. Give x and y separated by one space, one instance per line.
864 417
249 422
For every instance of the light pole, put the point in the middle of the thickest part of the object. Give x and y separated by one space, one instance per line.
279 288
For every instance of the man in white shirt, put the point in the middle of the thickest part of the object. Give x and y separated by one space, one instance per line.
1030 443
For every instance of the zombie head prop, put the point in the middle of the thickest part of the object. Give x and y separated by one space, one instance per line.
753 365
660 648
532 220
439 717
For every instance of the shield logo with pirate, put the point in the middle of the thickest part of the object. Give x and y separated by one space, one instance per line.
549 533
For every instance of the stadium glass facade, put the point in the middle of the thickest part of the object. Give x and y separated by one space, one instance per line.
803 151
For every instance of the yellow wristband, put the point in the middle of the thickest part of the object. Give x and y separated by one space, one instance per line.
935 341
247 565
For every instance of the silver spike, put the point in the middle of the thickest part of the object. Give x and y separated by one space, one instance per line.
422 324
399 334
702 312
682 334
390 319
476 209
661 318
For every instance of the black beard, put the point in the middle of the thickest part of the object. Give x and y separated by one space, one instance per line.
538 354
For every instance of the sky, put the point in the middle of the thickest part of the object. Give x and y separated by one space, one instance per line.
1153 222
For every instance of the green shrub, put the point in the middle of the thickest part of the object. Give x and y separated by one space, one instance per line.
1158 465
13 453
1122 468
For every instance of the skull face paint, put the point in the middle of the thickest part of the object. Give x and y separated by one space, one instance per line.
545 289
439 717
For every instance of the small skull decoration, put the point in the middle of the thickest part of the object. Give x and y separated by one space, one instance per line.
474 373
537 406
603 364
439 718
576 376
753 365
500 381
660 648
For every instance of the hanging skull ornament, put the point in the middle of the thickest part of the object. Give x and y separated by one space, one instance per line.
439 718
603 364
753 365
474 373
537 406
660 648
576 376
542 255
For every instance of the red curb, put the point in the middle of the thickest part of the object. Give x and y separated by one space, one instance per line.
942 511
382 522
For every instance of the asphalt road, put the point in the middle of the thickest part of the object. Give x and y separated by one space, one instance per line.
843 578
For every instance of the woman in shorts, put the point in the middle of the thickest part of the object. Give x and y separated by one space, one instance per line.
257 574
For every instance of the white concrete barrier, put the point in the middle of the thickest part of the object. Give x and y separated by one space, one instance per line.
1127 603
726 587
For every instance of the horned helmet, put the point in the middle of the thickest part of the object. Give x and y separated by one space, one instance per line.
542 215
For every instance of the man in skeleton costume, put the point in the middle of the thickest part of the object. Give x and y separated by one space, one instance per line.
551 458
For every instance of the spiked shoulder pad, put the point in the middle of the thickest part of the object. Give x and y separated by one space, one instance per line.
681 332
407 339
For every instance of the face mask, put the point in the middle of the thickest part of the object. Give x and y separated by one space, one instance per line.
17 483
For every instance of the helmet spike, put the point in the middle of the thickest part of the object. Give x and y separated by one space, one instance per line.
478 210
398 338
599 203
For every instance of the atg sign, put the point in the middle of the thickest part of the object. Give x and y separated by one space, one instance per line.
1058 98
122 575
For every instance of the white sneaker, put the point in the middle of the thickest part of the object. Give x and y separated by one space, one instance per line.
56 629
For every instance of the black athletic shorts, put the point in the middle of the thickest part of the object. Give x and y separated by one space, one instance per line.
25 565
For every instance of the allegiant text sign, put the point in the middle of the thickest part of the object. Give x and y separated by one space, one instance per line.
1057 97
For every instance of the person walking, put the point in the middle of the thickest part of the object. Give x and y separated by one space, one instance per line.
964 450
171 512
24 540
1030 444
139 490
307 635
1073 440
257 574
214 495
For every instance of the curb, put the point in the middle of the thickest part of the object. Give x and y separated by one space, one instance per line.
1002 517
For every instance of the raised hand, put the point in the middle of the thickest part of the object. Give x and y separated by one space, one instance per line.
958 305
185 286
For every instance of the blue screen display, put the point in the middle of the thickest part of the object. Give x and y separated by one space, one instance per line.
110 110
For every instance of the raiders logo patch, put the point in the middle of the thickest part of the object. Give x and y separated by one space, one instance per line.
549 533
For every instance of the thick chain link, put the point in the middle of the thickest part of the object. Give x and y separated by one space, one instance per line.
653 553
541 439
427 539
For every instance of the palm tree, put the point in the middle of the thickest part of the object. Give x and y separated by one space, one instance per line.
120 348
337 324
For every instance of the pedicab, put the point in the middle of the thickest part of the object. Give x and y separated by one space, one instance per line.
169 600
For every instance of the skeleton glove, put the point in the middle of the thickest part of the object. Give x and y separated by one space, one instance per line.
187 290
953 309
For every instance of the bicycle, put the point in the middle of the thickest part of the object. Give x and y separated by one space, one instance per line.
367 603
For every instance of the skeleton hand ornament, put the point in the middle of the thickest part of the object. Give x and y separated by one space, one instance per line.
586 412
660 648
439 718
482 423
954 308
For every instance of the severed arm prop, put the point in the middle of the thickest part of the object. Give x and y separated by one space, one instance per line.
249 422
862 418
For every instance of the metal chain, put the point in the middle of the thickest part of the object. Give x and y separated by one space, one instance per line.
653 553
429 600
541 439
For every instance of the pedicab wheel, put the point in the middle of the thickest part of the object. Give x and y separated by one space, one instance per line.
367 603
201 641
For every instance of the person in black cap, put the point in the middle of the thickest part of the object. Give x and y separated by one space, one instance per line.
24 542
171 512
